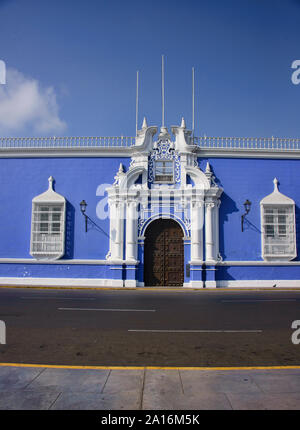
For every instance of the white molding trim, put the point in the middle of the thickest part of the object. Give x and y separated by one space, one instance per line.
247 153
61 282
86 152
284 283
67 262
258 263
124 262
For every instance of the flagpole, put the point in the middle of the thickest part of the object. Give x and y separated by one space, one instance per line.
137 102
193 100
163 89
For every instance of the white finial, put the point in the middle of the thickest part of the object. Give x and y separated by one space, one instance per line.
50 180
275 181
144 125
207 170
183 123
121 168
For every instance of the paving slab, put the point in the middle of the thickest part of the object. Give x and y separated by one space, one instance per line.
163 390
198 381
17 377
263 401
123 400
162 381
124 380
149 389
278 383
75 380
27 399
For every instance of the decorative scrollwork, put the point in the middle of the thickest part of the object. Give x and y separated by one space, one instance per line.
163 150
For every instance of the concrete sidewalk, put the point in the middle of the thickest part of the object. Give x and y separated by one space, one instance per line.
147 389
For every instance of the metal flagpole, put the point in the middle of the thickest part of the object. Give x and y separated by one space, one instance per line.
193 99
137 102
163 89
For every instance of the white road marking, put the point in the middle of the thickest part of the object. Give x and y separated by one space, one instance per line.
258 300
108 310
57 298
198 331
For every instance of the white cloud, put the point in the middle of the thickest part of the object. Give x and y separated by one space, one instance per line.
26 106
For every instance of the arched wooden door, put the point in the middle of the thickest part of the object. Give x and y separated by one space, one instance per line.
164 254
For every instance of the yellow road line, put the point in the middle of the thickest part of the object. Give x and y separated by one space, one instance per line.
57 366
178 289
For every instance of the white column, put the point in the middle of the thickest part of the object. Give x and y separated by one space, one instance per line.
120 231
131 231
217 246
112 228
209 234
197 231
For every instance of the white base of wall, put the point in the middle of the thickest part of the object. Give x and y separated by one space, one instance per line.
295 283
194 284
61 282
131 283
117 283
210 284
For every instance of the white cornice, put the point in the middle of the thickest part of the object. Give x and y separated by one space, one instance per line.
247 153
106 152
65 152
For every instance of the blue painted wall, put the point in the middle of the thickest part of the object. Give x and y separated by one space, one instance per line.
245 273
76 179
252 179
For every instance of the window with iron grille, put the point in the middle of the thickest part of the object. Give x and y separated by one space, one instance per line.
278 230
47 235
164 171
48 224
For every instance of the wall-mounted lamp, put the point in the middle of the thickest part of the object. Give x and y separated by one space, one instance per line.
247 206
83 205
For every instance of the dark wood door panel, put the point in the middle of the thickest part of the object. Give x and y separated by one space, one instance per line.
164 254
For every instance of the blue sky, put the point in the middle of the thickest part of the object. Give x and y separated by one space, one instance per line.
71 66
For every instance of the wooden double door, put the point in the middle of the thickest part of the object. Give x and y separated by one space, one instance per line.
164 254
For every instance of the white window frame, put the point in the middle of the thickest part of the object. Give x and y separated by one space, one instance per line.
278 245
162 180
48 244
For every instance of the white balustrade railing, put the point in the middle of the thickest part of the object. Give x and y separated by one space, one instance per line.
255 143
66 142
223 143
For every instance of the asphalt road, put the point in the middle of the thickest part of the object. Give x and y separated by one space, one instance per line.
149 327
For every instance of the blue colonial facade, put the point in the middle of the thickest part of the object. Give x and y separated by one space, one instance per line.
198 184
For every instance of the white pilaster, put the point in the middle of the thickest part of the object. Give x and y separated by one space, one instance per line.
112 228
209 233
197 231
217 241
119 233
131 230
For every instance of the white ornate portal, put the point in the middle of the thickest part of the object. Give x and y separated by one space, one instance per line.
164 181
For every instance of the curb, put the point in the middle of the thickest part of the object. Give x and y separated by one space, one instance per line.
57 366
176 289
